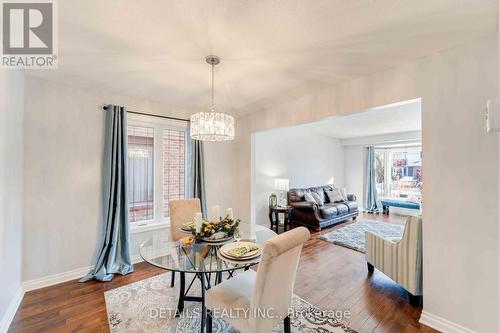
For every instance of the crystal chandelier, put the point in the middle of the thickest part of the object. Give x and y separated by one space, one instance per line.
212 126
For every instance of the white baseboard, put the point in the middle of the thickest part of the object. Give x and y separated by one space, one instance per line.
51 280
11 310
47 281
441 324
63 277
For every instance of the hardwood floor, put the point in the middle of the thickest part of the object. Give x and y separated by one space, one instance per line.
329 276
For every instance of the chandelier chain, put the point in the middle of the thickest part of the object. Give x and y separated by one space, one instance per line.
213 87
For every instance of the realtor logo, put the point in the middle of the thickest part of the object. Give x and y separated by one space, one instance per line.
29 35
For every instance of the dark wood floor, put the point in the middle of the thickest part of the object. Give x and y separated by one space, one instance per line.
329 276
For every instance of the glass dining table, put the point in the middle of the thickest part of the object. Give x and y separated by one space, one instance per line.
202 261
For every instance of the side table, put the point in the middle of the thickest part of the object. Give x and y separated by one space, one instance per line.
274 217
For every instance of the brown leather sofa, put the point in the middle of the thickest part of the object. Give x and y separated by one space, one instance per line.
314 216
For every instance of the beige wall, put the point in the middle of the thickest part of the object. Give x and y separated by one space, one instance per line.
63 147
461 162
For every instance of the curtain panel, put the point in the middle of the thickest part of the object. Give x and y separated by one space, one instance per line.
370 181
113 253
198 174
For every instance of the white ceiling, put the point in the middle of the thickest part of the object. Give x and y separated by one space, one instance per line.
389 119
271 50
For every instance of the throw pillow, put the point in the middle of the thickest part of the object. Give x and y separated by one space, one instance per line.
335 195
344 193
317 198
309 198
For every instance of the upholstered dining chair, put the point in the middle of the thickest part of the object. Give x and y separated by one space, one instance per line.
181 211
400 260
269 290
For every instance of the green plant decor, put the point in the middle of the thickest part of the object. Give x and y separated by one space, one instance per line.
226 225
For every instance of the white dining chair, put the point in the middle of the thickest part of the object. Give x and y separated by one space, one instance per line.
181 211
267 291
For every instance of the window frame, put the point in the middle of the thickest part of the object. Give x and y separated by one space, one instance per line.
159 125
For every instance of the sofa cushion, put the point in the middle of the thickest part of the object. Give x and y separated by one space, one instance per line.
353 206
320 191
343 191
320 201
341 208
335 195
309 198
297 194
328 210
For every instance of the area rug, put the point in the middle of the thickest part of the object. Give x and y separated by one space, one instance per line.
352 236
148 306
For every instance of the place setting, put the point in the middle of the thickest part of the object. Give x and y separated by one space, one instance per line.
216 231
240 252
222 237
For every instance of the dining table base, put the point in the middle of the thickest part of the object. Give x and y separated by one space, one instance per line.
205 285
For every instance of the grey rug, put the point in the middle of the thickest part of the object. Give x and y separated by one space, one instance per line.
148 306
352 236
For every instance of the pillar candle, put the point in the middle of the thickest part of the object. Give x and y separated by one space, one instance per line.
229 213
198 222
216 213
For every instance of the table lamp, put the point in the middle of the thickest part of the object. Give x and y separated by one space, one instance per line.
282 186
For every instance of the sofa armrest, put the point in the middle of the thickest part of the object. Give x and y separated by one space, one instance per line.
304 205
351 197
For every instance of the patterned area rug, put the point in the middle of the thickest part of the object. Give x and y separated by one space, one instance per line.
149 305
352 236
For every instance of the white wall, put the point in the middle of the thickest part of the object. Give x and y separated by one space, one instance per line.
64 137
354 166
305 158
461 170
11 192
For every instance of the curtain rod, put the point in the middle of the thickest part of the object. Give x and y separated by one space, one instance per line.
396 146
152 115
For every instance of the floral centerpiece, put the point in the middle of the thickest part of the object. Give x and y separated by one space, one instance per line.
215 230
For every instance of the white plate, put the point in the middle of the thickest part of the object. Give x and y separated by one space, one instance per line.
226 248
212 241
226 256
250 261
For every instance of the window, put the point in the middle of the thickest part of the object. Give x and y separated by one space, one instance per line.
399 173
140 173
157 168
380 172
174 167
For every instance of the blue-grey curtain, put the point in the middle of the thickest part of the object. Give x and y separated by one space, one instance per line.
370 181
113 251
198 174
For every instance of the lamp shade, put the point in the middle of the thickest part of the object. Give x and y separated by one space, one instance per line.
212 126
281 184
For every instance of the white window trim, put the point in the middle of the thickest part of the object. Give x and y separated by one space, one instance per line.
136 227
158 125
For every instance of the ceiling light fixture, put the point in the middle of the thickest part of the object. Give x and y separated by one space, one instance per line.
212 126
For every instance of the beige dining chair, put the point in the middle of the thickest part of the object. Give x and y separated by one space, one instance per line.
262 298
181 211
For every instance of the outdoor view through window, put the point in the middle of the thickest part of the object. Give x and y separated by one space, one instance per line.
399 173
156 152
